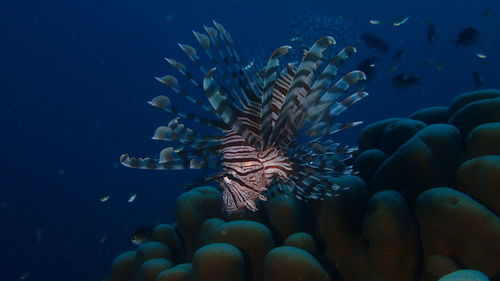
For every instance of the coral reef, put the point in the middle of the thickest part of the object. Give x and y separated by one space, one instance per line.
424 206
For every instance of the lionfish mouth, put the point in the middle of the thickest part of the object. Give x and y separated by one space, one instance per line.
273 124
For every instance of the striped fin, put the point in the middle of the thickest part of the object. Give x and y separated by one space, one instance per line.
176 131
318 90
225 111
191 53
313 188
270 77
323 126
281 88
173 84
184 71
234 63
163 102
301 80
243 78
338 108
326 107
326 128
155 164
206 41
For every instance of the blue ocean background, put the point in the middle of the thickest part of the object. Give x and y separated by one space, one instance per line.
75 78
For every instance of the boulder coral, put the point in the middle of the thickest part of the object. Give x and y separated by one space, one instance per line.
454 225
432 115
424 207
484 140
480 178
218 262
292 264
428 159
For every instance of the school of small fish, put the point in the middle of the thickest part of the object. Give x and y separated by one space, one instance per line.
467 37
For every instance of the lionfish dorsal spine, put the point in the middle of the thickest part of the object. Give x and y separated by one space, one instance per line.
268 96
299 87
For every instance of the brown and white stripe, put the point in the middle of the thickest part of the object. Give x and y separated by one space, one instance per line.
260 119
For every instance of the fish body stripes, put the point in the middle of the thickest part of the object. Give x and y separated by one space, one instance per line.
274 126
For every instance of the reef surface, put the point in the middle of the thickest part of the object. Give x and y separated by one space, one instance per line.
425 204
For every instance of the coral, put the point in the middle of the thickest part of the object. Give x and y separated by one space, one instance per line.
152 250
429 159
476 113
480 178
465 275
424 206
292 264
469 97
453 224
151 268
285 215
192 209
122 268
180 272
302 240
397 133
367 238
484 140
252 238
218 262
371 136
368 162
166 234
432 115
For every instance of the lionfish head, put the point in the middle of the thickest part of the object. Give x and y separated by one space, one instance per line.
274 125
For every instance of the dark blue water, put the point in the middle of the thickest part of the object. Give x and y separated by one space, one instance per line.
75 78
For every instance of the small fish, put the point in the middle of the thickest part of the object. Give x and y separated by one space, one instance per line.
477 79
431 34
179 149
391 69
293 39
103 239
249 65
132 198
401 53
368 67
405 80
105 198
141 234
467 37
489 15
376 43
24 276
481 55
401 20
375 22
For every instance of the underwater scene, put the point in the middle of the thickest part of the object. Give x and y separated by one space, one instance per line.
256 140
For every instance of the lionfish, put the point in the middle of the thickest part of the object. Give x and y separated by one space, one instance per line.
273 124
